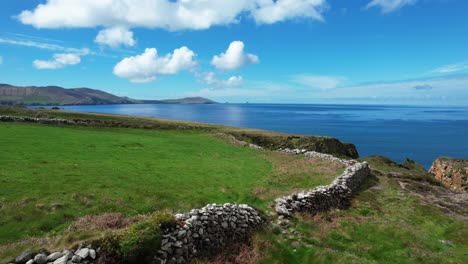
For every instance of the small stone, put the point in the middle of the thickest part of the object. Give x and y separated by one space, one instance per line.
76 259
62 260
40 258
83 253
24 257
92 253
31 261
54 256
447 242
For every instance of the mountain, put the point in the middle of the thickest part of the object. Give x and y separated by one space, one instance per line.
189 100
54 95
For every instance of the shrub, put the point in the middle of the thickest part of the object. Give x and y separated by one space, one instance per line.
139 242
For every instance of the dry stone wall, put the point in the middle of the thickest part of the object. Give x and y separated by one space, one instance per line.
338 194
41 120
207 230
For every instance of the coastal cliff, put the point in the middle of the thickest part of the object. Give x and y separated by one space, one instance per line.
452 173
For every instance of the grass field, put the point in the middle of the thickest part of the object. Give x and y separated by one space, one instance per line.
51 175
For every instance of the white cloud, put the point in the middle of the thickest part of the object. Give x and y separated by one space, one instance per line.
167 14
451 68
115 36
417 91
322 82
45 46
145 67
59 60
269 11
388 6
234 58
211 79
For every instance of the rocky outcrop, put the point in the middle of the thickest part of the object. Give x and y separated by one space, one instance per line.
452 173
275 141
207 230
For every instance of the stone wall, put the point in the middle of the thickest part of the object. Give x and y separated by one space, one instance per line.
41 120
338 194
207 230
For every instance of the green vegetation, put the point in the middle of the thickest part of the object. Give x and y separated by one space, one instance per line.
385 225
53 175
138 242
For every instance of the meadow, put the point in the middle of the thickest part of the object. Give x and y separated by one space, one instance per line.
53 175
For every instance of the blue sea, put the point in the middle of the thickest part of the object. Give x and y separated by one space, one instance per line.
398 132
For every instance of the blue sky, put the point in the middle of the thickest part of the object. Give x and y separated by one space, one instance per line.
284 51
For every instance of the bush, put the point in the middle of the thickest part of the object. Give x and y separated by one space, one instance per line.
139 241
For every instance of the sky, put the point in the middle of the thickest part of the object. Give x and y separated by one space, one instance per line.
412 52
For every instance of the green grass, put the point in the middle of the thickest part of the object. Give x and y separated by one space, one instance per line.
51 175
384 225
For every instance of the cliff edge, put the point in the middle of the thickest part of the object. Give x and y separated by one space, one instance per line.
452 173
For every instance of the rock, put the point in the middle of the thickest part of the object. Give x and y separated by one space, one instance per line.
24 257
40 258
31 261
452 173
76 259
62 260
83 253
54 256
92 254
447 242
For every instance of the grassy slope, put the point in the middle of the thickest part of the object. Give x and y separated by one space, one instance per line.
51 175
385 225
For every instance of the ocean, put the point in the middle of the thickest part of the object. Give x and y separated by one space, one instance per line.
397 132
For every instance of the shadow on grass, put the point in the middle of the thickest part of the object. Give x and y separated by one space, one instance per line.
369 182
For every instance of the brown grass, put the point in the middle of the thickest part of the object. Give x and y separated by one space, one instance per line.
290 165
104 222
237 254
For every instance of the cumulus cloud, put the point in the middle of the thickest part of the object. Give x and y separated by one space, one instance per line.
451 68
322 82
167 14
388 6
211 79
115 37
145 67
234 58
58 61
269 11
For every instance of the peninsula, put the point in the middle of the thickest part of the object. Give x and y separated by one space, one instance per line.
55 95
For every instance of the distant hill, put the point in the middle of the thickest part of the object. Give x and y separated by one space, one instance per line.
54 95
189 100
